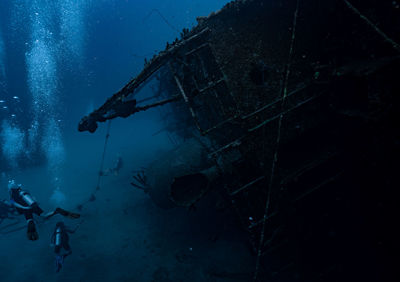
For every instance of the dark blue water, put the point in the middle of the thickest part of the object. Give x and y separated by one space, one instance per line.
59 60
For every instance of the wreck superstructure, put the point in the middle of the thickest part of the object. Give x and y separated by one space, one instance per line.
294 103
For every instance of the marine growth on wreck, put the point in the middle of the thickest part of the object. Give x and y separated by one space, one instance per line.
290 103
281 118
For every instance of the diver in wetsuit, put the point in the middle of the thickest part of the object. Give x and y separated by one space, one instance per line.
26 205
114 170
60 240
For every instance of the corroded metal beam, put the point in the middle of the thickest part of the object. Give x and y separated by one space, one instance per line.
119 105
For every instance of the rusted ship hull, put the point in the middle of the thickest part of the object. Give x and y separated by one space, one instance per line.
296 100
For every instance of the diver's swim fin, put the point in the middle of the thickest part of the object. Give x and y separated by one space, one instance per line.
31 233
67 213
59 262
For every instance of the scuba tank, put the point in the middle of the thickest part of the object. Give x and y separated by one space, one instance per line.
26 197
57 239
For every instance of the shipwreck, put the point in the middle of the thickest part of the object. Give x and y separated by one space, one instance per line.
288 108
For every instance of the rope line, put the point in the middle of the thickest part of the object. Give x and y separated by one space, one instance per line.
103 156
371 24
93 195
162 17
278 138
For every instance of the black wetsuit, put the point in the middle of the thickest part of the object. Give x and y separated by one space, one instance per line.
28 213
60 239
64 239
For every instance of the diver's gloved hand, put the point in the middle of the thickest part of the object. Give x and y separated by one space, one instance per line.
31 233
67 213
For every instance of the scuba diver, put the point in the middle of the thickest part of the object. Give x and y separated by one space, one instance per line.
26 205
114 170
60 240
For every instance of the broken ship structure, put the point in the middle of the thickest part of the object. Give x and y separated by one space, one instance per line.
288 109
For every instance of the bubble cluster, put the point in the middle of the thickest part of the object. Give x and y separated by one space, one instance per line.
55 36
13 141
72 28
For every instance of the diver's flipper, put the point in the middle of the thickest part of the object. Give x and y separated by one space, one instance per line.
59 262
67 213
31 233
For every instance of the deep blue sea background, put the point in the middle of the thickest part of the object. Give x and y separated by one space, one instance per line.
59 60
